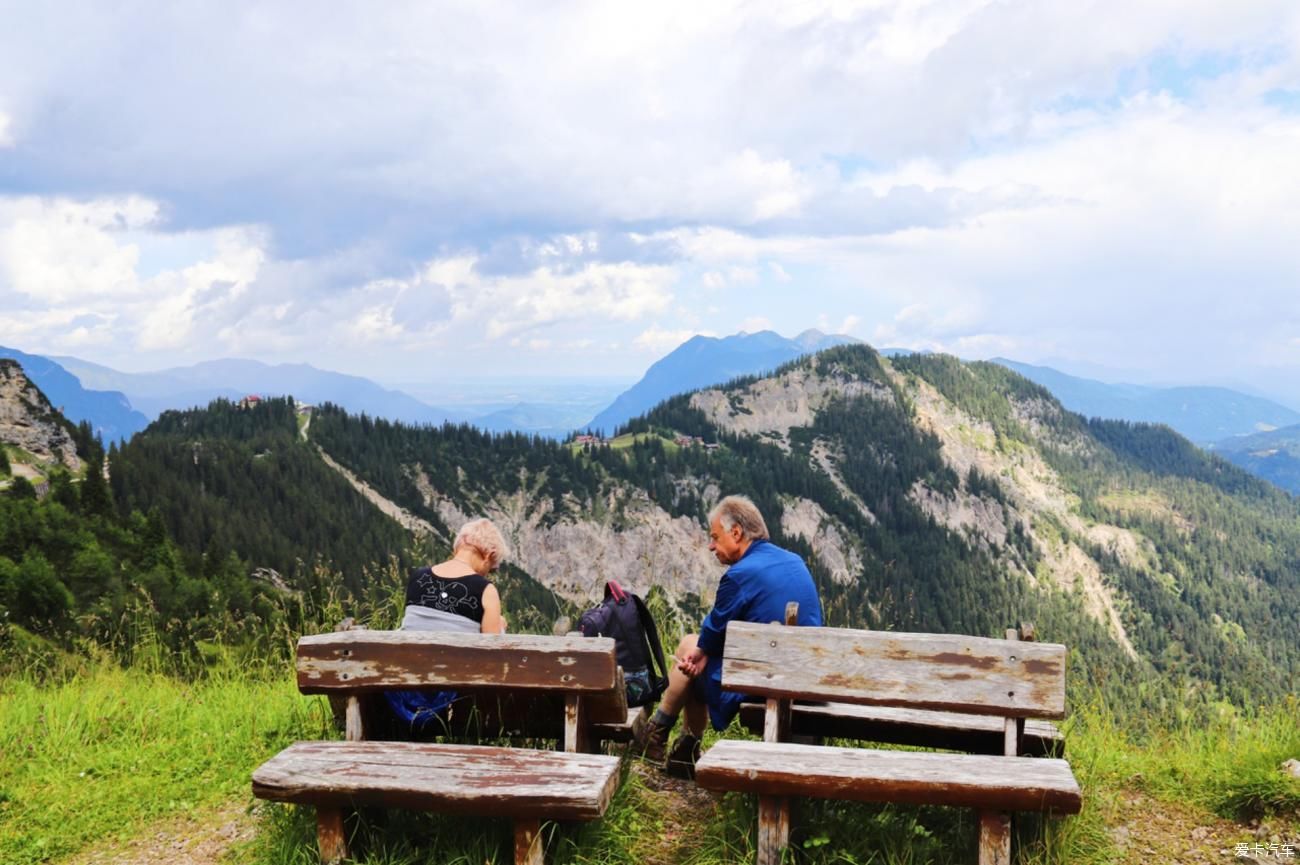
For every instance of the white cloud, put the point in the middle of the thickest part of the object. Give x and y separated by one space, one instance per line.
659 341
58 250
622 291
594 112
846 326
75 271
756 323
1109 178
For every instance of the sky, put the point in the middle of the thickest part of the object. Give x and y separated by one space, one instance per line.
416 191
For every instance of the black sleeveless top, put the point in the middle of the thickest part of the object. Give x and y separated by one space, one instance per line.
460 595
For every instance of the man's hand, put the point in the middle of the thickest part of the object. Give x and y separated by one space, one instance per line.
693 664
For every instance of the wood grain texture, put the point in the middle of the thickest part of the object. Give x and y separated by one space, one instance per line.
984 782
608 707
948 672
995 838
952 731
331 838
456 779
354 729
576 729
528 842
773 829
637 716
360 661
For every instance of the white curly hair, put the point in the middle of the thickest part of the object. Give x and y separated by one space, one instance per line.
483 535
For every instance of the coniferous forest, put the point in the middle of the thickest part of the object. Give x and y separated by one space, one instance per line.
228 510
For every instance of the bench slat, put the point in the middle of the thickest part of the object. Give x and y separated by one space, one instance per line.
926 728
456 779
918 778
949 672
625 731
356 661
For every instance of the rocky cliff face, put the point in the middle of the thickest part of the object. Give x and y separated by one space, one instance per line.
625 537
28 421
771 407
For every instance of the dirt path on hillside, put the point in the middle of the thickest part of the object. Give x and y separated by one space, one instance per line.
198 839
1148 831
687 812
405 518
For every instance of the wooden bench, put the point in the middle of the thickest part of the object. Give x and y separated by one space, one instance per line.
947 731
567 688
1009 680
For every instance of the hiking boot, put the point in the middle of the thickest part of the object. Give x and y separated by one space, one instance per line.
651 742
682 758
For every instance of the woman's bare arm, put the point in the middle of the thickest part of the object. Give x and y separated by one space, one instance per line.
493 623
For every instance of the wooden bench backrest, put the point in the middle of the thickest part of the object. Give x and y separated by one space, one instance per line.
951 672
361 661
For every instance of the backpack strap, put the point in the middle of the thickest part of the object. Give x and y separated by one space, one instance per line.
614 590
652 634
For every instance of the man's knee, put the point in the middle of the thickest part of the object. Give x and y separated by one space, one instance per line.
686 645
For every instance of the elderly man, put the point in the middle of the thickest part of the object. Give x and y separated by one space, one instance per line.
761 580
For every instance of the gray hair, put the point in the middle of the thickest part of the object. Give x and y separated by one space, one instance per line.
739 510
484 536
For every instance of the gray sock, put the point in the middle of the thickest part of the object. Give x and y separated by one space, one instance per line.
662 719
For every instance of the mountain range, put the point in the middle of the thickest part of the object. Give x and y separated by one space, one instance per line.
199 384
702 361
117 405
927 495
1205 415
1273 455
109 413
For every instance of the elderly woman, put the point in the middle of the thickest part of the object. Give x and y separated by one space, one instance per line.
456 595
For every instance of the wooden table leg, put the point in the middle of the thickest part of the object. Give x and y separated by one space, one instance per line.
773 828
528 842
995 838
330 836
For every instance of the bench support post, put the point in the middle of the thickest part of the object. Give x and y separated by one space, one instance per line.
330 836
995 838
577 738
773 828
528 842
354 725
774 811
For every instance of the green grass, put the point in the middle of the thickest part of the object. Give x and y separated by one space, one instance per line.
92 754
105 752
626 441
1229 766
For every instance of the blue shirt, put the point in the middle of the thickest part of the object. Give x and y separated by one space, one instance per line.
756 589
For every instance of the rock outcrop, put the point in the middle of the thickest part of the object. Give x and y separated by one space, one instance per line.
29 422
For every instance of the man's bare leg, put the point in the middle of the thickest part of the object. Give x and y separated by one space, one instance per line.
697 713
676 699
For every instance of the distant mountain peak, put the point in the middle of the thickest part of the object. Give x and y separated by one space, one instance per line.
703 361
813 338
